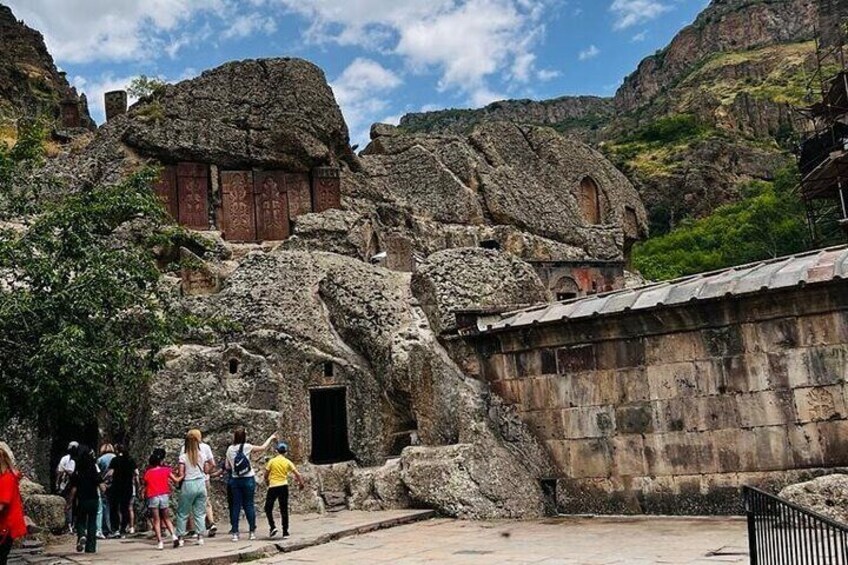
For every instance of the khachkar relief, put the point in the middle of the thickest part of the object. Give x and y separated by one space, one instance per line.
326 188
272 210
238 207
821 404
193 190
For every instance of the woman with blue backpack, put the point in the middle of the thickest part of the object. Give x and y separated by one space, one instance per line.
243 479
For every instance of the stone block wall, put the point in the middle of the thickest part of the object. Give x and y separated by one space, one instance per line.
672 410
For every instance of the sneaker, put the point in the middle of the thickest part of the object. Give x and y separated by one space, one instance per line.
80 544
273 533
235 537
160 545
286 535
199 540
178 542
131 531
100 535
252 536
213 529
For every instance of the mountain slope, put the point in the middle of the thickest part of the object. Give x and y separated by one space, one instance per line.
698 120
30 83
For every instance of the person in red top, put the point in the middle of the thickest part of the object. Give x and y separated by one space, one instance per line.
157 490
12 524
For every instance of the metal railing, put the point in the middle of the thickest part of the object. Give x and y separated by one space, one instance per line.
783 533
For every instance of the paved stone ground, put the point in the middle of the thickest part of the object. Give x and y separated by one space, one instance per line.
307 530
572 541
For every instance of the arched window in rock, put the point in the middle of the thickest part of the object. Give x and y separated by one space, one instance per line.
565 289
590 201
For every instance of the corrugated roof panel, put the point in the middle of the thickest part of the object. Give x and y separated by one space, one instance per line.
794 271
685 291
759 278
652 296
620 301
720 284
812 267
588 307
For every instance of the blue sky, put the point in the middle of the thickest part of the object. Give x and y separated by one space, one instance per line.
383 57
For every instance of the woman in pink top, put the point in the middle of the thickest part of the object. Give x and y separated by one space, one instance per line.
157 490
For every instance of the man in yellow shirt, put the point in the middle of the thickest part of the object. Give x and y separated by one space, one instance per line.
277 472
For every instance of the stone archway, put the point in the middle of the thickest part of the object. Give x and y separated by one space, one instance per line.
565 288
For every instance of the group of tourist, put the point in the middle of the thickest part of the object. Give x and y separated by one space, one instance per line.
100 491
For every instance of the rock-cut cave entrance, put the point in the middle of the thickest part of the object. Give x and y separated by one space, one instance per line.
329 425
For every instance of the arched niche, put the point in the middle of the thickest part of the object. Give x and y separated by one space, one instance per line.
590 201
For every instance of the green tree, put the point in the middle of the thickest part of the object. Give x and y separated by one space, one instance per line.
768 223
143 86
82 311
19 192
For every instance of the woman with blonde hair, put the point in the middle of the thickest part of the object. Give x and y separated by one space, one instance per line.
194 465
12 524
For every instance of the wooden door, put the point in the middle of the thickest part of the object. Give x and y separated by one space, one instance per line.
272 205
238 220
193 191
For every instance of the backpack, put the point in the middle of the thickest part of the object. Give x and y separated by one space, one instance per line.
241 464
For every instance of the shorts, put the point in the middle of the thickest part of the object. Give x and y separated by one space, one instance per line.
161 501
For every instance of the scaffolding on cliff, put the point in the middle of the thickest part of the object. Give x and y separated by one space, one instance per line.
823 152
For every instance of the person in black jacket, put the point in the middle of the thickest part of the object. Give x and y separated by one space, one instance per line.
86 485
124 482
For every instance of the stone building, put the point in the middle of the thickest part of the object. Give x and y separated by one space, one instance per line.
667 398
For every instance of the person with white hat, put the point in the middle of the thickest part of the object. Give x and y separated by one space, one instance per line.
64 470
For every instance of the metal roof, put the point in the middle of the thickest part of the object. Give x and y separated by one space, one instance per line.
785 272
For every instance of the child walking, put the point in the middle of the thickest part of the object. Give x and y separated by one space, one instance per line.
157 489
277 472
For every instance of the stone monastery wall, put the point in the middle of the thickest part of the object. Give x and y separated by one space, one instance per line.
670 410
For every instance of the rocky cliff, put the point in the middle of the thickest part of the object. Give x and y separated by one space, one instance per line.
725 85
30 83
322 311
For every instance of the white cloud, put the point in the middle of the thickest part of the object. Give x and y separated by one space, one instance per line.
82 31
483 97
248 24
467 42
547 74
641 36
360 91
633 12
589 53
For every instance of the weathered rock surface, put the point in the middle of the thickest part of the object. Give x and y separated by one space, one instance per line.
320 319
465 278
270 113
827 495
726 25
470 481
501 175
30 83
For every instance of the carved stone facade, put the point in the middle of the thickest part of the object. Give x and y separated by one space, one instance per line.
671 409
573 279
248 205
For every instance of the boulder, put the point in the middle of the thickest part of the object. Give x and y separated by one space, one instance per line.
458 279
827 495
46 511
468 481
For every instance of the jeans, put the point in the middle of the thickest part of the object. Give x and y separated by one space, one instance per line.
192 501
104 517
87 522
5 549
280 494
244 491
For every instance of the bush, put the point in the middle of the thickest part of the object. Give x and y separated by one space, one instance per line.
82 313
769 223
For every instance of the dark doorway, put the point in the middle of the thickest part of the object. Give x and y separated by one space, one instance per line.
329 425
